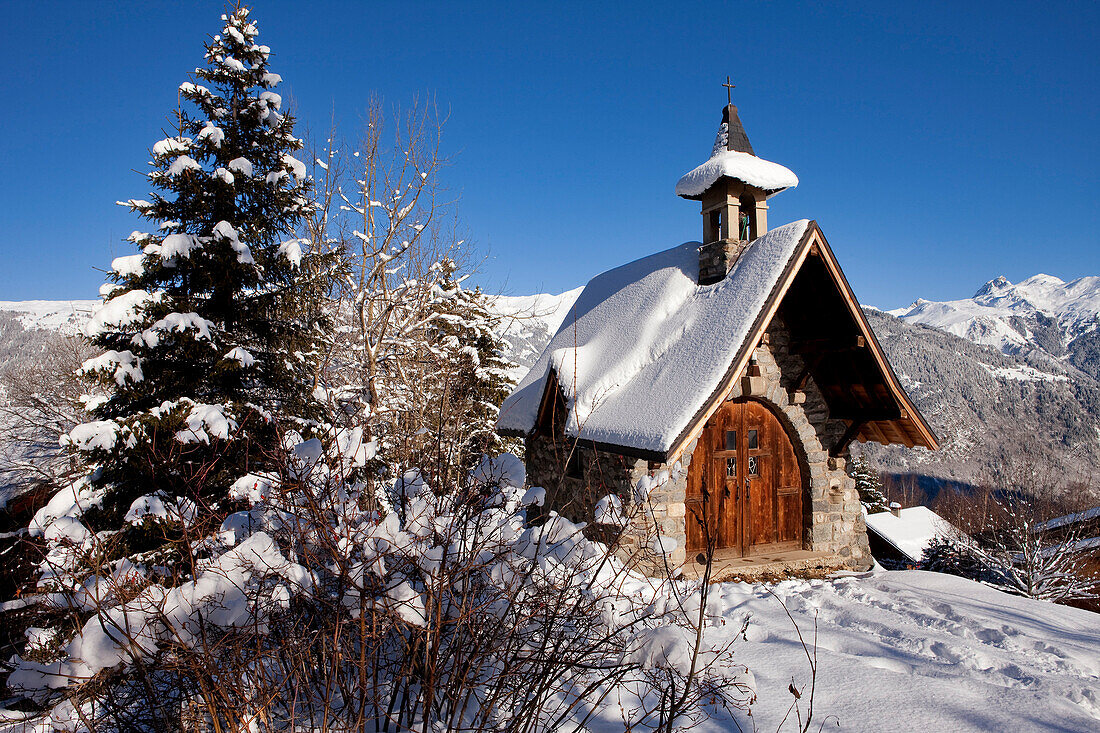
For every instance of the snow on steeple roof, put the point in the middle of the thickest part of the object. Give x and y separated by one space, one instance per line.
732 156
645 345
731 133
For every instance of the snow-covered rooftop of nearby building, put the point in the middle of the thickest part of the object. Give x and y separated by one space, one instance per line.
911 532
645 345
1068 519
742 166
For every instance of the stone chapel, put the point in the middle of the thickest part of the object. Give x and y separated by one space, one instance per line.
733 373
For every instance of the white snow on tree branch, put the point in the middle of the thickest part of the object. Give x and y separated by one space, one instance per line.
223 230
407 604
205 422
609 510
129 265
172 146
295 166
195 90
160 506
118 312
121 365
241 356
212 133
241 165
252 487
292 251
183 163
174 245
177 322
95 435
71 501
228 594
271 99
231 63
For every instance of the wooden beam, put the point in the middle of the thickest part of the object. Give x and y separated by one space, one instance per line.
849 434
869 414
814 346
804 376
927 437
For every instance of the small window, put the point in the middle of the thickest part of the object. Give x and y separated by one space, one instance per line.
753 442
731 440
574 468
731 467
754 466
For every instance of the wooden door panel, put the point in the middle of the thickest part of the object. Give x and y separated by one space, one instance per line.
789 518
744 448
759 474
693 501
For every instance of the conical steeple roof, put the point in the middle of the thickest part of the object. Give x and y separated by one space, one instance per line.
731 133
732 157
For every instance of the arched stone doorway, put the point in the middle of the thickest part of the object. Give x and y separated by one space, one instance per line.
745 484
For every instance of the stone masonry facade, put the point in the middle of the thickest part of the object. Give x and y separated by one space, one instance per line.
577 476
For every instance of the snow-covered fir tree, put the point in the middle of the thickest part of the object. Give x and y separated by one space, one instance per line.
469 378
869 485
207 332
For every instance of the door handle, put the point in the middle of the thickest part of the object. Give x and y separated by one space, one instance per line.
748 486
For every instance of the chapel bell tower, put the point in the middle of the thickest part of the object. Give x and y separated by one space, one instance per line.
734 186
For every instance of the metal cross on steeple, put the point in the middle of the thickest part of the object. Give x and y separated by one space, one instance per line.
729 91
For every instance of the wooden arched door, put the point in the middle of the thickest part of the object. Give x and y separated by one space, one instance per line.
744 484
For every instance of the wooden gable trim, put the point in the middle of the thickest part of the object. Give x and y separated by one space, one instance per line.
763 320
813 243
909 411
551 390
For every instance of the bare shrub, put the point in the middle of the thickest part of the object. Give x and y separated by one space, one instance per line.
1007 537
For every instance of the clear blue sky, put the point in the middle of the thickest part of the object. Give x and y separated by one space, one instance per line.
938 144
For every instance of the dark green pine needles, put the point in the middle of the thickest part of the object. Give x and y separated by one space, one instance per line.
207 332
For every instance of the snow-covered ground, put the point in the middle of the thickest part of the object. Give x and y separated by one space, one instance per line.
919 651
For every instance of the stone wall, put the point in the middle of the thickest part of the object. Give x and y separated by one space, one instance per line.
716 259
576 477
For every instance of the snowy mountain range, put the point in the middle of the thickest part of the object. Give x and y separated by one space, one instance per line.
64 316
1012 372
1042 313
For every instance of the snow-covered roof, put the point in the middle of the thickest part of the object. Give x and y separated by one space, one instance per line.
1068 519
754 171
911 532
645 346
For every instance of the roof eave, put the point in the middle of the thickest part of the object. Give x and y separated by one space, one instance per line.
768 192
